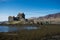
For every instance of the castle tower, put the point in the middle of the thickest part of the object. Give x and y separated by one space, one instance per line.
10 18
21 16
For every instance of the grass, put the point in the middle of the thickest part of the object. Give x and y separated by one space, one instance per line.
46 31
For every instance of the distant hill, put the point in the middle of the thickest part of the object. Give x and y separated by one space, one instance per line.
51 18
56 15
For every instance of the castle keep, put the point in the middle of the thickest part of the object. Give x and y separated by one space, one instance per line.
19 17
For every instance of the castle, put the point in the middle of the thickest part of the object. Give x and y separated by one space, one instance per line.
19 17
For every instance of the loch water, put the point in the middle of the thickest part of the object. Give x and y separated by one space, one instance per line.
17 28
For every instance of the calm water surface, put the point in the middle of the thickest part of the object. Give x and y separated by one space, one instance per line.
16 28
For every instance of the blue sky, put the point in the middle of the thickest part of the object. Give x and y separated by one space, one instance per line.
31 8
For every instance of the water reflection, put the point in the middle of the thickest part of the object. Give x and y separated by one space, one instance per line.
16 28
4 29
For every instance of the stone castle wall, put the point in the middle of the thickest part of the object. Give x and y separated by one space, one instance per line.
19 17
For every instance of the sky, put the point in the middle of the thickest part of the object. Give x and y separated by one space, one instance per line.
31 8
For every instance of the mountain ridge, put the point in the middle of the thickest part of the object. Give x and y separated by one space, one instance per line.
55 15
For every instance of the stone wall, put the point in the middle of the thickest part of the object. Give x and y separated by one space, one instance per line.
10 18
17 18
21 16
